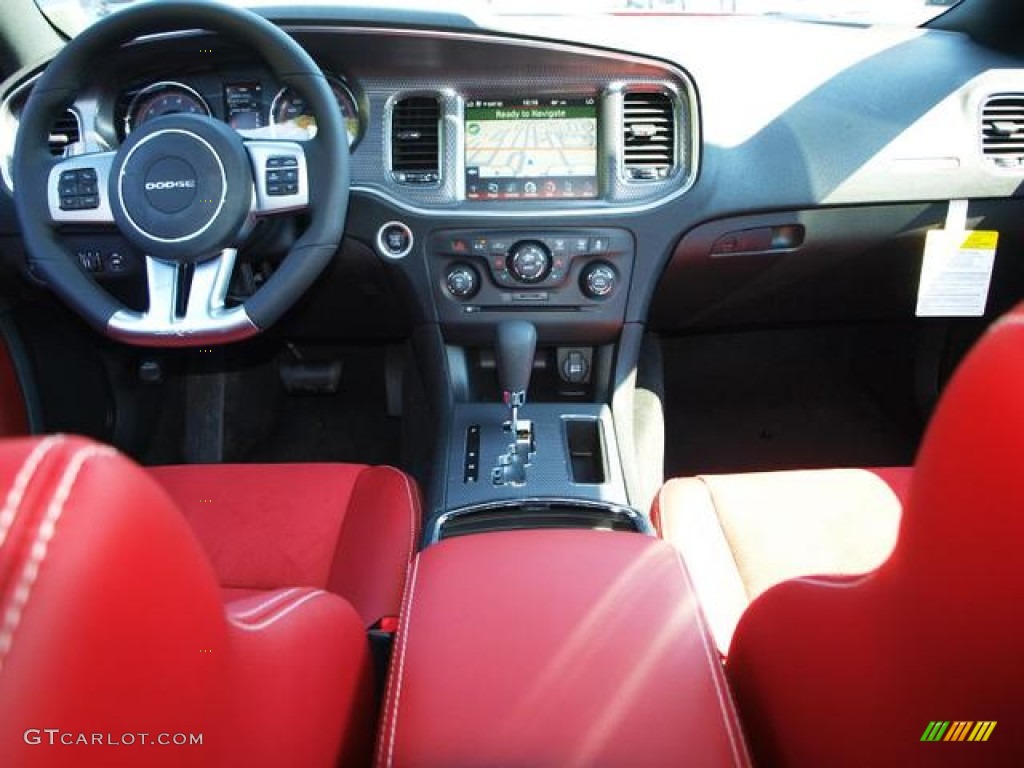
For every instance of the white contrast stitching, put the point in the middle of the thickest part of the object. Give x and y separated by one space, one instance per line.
40 546
282 612
395 681
262 606
413 512
739 746
21 481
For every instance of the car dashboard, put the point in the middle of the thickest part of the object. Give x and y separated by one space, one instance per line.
596 180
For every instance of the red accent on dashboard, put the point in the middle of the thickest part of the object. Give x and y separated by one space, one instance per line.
348 528
112 631
556 647
849 672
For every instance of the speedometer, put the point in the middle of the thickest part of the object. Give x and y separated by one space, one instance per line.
163 98
293 117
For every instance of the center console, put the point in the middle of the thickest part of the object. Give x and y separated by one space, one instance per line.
555 648
535 308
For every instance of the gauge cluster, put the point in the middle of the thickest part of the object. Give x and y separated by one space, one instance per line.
256 107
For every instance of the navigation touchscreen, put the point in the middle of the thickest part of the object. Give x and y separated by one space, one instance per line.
531 148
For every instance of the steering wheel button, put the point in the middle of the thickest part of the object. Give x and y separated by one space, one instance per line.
116 262
290 175
290 189
89 201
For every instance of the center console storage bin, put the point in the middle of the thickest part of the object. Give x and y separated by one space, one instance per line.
555 648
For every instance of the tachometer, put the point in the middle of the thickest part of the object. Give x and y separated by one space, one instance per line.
293 118
163 98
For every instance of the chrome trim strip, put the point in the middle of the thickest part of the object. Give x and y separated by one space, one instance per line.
206 320
639 520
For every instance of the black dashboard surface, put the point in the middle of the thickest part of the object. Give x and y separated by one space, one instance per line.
810 116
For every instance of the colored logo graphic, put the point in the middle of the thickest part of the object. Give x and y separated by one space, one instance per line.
958 730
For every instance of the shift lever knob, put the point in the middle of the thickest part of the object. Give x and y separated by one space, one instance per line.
517 342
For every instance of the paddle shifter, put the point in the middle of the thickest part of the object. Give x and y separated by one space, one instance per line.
515 347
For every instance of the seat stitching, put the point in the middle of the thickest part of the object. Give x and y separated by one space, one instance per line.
396 678
21 481
727 706
41 544
263 605
413 512
413 509
281 613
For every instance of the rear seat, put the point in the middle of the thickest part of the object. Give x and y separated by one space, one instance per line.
741 534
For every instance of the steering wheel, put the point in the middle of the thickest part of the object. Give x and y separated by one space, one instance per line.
182 188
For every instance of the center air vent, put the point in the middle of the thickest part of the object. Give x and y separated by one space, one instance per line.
1002 130
64 133
648 135
415 140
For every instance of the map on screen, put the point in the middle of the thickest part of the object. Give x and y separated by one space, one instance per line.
531 148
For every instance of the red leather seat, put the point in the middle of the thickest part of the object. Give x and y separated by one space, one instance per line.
115 636
918 661
742 534
346 528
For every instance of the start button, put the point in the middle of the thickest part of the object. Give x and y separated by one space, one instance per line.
394 240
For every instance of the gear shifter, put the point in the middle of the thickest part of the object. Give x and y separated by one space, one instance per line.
515 347
517 342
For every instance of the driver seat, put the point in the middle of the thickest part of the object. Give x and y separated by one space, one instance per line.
117 643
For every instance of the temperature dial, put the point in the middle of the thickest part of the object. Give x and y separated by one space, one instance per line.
529 262
462 281
598 280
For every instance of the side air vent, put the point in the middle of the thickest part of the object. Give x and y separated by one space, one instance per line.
64 133
648 135
1002 130
415 140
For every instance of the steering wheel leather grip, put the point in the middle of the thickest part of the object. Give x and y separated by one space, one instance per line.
183 197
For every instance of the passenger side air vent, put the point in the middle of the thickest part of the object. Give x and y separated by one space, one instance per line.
648 135
1002 130
415 140
64 133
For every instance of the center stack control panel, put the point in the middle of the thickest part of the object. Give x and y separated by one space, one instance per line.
565 279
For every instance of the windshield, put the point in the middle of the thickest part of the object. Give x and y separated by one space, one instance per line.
72 16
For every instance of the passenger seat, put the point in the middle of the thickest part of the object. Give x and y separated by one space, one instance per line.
847 671
741 534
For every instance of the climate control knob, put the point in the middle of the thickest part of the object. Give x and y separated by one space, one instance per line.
529 262
462 281
598 280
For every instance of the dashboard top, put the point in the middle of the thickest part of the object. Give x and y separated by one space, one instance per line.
811 114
